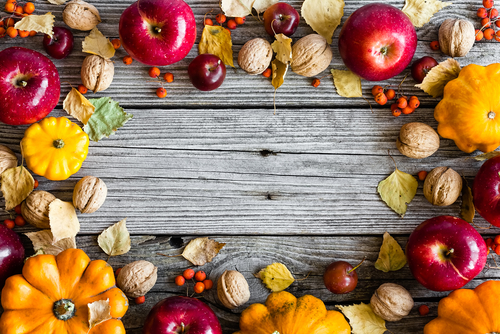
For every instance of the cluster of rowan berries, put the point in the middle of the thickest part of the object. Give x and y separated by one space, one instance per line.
401 106
19 220
221 19
154 72
489 22
202 283
494 244
17 10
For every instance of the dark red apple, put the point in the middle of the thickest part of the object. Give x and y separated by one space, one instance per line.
181 315
281 18
421 67
60 45
377 41
445 253
11 254
207 72
29 86
486 191
158 32
340 277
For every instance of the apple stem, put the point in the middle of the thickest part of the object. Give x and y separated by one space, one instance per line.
350 271
58 143
449 252
157 30
22 83
182 327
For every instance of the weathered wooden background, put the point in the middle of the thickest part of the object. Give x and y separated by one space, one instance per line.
298 186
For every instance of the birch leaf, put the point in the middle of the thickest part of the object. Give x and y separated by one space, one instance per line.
217 41
486 156
17 184
106 119
391 256
282 46
439 76
397 190
57 2
39 23
347 83
261 5
99 311
43 242
363 320
202 250
63 220
96 43
323 16
421 11
276 277
7 159
467 209
115 240
78 106
279 72
237 8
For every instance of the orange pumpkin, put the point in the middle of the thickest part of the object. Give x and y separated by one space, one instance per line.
469 112
285 314
467 311
52 294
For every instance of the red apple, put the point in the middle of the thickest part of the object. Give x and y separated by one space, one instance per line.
186 315
11 254
29 86
421 67
445 253
60 45
486 191
281 18
377 41
158 32
340 277
207 72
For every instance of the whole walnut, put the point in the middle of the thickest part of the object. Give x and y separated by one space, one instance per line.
97 73
7 159
456 37
80 15
137 278
255 56
232 289
311 55
442 186
417 140
391 302
35 209
89 194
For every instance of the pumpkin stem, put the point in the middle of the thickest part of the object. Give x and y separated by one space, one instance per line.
350 271
64 309
491 115
58 143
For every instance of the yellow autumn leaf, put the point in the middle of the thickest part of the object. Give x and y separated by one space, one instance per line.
96 43
217 41
261 5
99 311
397 190
486 156
391 256
39 23
63 220
439 76
323 16
202 250
363 320
17 184
241 8
115 240
421 11
57 2
276 277
282 46
279 72
347 83
467 208
78 106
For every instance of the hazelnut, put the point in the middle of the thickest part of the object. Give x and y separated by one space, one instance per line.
35 209
417 140
255 56
232 289
97 73
7 159
456 37
80 15
311 55
137 278
89 194
442 186
391 302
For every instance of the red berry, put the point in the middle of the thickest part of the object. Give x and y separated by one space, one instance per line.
180 280
200 276
489 33
381 99
435 45
414 103
169 77
489 242
9 223
154 72
497 23
479 35
407 110
267 73
486 23
497 240
199 287
396 112
220 18
488 3
482 12
231 24
376 90
394 106
209 22
127 60
239 20
422 175
188 273
29 7
82 89
117 271
208 284
116 43
402 103
493 13
390 94
497 250
161 92
315 83
140 300
17 209
423 310
19 221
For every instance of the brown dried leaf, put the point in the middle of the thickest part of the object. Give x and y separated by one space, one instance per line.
282 46
391 256
439 76
421 11
467 209
323 16
17 184
279 72
63 220
57 2
201 250
486 156
99 311
78 106
241 8
38 23
217 41
96 43
347 83
43 242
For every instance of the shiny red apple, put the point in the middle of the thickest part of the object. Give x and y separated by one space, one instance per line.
11 254
207 72
281 18
377 41
29 86
486 191
186 315
445 253
421 67
60 45
158 32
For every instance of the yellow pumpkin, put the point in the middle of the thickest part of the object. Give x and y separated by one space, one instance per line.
469 112
55 148
467 311
285 314
52 293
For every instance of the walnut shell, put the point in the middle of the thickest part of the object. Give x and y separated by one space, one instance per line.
391 302
311 55
255 56
232 289
417 140
456 37
97 73
7 159
80 15
35 209
442 186
137 278
89 194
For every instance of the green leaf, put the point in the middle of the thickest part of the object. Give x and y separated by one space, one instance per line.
106 119
467 209
398 190
391 256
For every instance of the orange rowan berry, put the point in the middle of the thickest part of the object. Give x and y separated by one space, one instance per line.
488 3
10 22
479 35
497 38
231 24
24 33
497 250
407 110
390 94
13 1
188 273
17 209
486 23
497 240
29 7
423 310
396 112
414 103
19 221
497 23
127 60
435 45
161 92
200 276
154 72
2 32
316 82
169 77
489 242
209 22
267 73
402 102
482 13
9 223
381 99
208 284
10 7
32 33
493 247
82 89
140 300
422 175
493 13
19 10
116 43
12 32
239 20
376 90
117 271
220 18
35 185
489 33
180 280
394 106
199 287
1 23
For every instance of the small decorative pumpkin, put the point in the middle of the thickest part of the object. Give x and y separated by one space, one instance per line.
285 314
55 148
52 294
469 112
467 311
